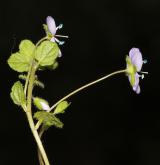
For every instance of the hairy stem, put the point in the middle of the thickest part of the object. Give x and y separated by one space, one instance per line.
29 114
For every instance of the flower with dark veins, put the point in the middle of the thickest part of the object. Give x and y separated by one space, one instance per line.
51 26
134 65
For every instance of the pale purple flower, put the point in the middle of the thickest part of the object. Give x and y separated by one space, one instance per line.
134 66
136 58
136 86
53 29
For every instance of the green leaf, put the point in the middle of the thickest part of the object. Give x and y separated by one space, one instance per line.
20 61
41 104
61 107
22 76
50 67
17 94
26 48
39 84
48 33
54 66
48 119
46 53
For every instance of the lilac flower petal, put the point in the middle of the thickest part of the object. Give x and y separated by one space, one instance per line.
136 80
132 52
52 39
136 58
137 90
136 86
51 25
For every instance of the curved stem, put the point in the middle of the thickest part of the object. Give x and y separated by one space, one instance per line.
82 88
86 86
29 114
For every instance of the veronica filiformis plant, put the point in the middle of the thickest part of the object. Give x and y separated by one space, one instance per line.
28 60
31 58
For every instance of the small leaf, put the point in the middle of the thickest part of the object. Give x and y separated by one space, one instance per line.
54 66
17 94
48 33
20 61
36 81
48 119
41 104
50 67
47 53
22 76
39 84
61 107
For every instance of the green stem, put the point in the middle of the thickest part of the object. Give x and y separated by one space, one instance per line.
82 88
27 80
29 114
41 162
29 72
86 86
38 151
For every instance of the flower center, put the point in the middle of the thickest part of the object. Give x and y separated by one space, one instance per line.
142 74
61 36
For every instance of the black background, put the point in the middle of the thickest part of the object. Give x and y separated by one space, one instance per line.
107 124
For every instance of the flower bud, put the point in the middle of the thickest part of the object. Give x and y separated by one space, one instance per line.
41 104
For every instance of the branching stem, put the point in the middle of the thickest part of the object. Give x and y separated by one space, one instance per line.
28 91
29 72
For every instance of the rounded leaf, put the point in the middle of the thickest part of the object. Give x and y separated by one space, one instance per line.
17 94
20 61
41 104
61 107
47 53
26 48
